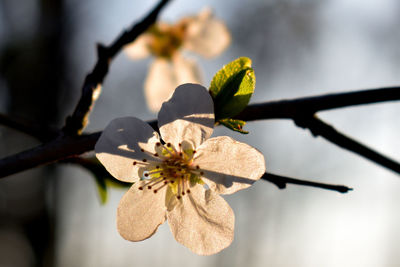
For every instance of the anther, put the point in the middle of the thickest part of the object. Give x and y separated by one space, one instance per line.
146 174
134 163
155 155
155 191
158 144
142 149
201 173
194 151
169 145
144 160
180 144
197 167
157 167
165 182
188 191
149 187
140 188
183 193
178 197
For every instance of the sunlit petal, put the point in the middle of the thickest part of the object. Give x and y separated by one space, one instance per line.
140 212
203 222
229 165
120 144
188 115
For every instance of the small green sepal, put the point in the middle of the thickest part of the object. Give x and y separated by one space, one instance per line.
235 125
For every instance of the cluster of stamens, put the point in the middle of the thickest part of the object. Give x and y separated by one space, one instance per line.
169 166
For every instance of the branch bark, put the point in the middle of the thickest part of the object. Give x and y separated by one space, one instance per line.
92 85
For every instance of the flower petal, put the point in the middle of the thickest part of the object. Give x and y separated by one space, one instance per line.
229 165
206 35
159 84
120 145
186 70
203 222
165 75
187 115
140 212
139 48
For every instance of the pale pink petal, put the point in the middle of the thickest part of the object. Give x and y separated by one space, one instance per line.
186 70
160 83
188 115
229 165
139 48
140 212
206 35
165 75
203 221
120 145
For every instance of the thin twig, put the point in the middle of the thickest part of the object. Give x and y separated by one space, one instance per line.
320 128
92 85
282 181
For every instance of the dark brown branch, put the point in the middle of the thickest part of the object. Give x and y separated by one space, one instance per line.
95 167
288 109
282 181
58 149
39 132
320 128
269 110
92 85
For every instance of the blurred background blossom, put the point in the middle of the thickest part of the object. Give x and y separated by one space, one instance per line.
53 217
202 34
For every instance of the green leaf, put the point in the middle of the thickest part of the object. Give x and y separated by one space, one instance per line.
232 87
102 177
101 188
104 181
235 125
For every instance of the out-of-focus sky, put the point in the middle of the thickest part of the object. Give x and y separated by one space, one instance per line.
298 48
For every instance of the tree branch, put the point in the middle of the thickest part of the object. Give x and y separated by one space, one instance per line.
289 109
55 150
92 86
320 128
68 146
282 181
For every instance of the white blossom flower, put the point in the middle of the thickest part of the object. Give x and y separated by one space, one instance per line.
202 34
179 180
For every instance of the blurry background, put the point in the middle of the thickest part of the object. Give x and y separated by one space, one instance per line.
53 217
